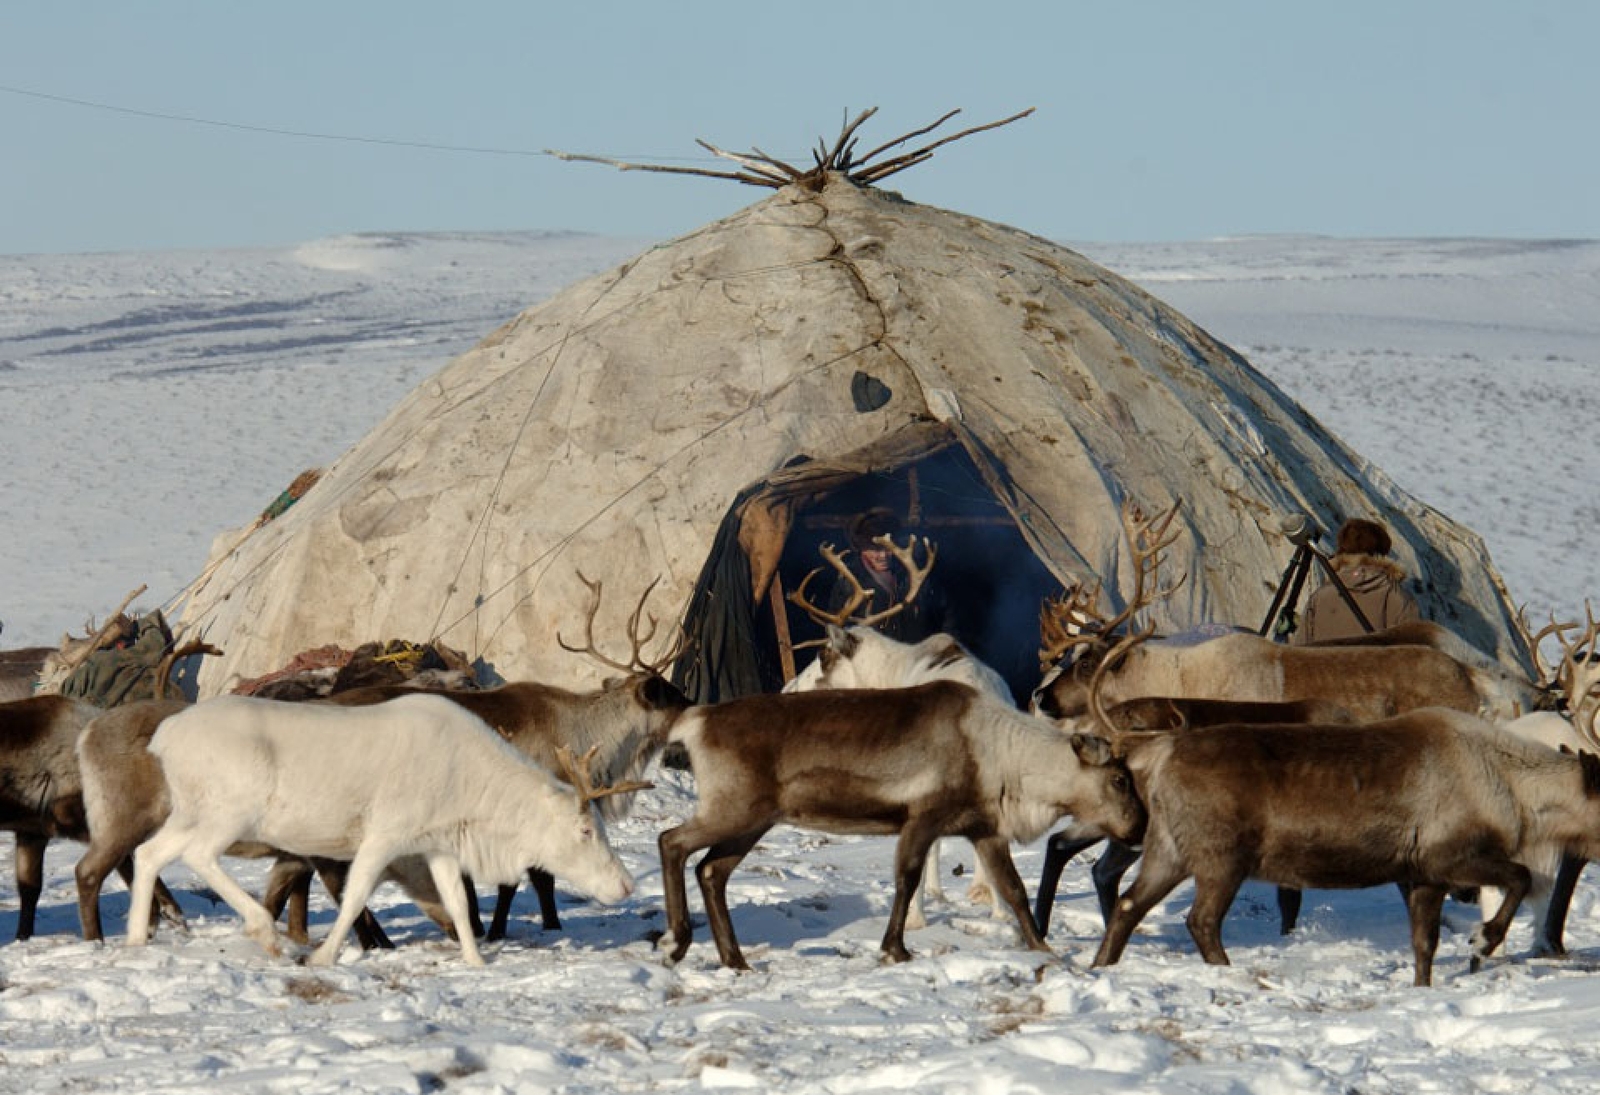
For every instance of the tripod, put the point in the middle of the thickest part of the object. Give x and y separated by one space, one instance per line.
1281 621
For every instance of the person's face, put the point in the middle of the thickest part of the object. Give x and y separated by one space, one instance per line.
875 559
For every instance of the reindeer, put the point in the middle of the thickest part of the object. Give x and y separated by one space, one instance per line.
940 759
1446 800
620 728
854 655
1370 677
125 800
1239 677
418 775
42 787
19 670
1576 682
41 791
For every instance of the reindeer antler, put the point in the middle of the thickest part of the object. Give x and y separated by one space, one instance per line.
1578 678
176 655
1067 621
577 774
1073 620
1549 676
636 662
859 596
1112 658
1148 539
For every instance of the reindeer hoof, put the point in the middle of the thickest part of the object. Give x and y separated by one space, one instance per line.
669 942
1483 945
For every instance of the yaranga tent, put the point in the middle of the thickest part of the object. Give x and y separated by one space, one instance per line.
707 414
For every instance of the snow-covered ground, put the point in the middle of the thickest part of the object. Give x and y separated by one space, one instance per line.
149 401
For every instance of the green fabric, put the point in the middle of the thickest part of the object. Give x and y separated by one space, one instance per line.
123 674
279 505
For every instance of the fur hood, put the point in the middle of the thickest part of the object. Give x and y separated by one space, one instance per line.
1364 572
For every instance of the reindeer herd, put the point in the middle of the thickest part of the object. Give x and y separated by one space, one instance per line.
1405 757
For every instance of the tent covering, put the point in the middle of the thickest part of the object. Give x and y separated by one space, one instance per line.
726 380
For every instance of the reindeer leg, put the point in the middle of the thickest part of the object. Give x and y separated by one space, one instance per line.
474 915
362 878
910 859
544 887
1516 881
1213 894
713 871
1289 902
676 845
502 913
29 860
1555 916
995 852
1059 850
160 849
1108 871
90 874
1425 905
289 883
168 905
927 886
453 890
335 879
203 859
1155 881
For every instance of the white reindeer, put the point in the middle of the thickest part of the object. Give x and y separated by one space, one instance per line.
418 775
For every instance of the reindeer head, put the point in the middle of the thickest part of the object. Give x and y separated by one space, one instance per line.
1078 638
1576 681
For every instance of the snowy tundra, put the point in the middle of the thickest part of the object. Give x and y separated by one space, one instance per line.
1468 370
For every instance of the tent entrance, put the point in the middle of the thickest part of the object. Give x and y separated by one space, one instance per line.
991 579
744 629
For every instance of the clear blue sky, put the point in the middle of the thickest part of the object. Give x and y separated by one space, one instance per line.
1159 120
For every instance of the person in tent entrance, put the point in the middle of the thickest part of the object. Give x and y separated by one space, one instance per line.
892 577
1376 584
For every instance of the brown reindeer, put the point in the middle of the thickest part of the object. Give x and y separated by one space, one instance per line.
1239 677
1371 677
940 759
19 671
42 794
1446 800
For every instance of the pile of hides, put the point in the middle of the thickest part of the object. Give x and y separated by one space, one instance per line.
324 670
127 664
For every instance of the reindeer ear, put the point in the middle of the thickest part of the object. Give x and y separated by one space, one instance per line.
1591 773
660 694
841 641
1092 750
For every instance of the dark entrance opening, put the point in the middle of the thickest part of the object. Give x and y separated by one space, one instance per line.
991 578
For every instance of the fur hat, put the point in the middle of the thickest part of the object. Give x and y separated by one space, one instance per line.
868 526
1362 537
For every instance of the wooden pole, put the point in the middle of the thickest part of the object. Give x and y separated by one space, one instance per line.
780 625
